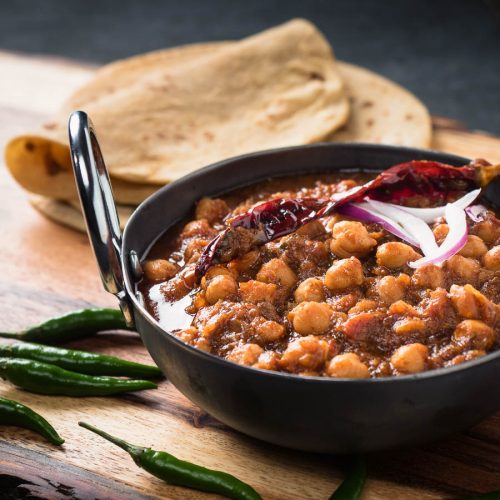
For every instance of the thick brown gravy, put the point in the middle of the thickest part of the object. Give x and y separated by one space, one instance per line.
336 298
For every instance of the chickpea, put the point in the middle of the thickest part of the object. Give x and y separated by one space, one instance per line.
256 291
476 333
395 254
402 308
408 325
345 302
213 210
410 358
219 270
268 360
463 269
350 238
159 269
429 276
404 279
310 290
338 318
441 232
474 248
197 228
245 262
277 271
467 356
317 251
246 354
311 318
220 287
306 353
268 331
194 248
213 272
362 306
488 230
463 302
347 365
344 274
390 289
490 311
491 259
312 230
180 285
331 220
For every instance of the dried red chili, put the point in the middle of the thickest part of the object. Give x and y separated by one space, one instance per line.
273 219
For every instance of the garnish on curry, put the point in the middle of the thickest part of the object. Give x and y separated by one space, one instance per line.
351 286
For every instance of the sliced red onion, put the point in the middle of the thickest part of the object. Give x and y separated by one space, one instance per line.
476 212
415 227
454 241
363 212
431 214
410 224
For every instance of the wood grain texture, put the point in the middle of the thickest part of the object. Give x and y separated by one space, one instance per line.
46 269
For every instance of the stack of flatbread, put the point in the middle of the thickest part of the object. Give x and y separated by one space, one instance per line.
164 114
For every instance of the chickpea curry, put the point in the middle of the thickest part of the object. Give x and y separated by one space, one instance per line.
341 295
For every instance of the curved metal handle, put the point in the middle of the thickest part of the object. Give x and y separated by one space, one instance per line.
98 206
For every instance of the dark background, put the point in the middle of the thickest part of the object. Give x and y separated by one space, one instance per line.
446 51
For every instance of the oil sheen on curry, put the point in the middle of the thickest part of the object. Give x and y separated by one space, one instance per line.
395 278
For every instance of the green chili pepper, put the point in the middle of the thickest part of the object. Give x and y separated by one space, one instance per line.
79 361
352 486
71 326
14 413
43 378
172 470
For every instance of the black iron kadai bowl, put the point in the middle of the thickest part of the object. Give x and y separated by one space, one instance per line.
307 413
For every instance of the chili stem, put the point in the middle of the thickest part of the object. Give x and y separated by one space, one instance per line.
129 448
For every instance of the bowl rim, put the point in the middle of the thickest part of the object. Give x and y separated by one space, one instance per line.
208 169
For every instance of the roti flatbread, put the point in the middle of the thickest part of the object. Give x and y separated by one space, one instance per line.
69 214
381 111
157 122
43 166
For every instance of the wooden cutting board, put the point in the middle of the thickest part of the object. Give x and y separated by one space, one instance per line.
46 269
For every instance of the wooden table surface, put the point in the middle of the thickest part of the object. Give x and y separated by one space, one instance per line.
46 269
